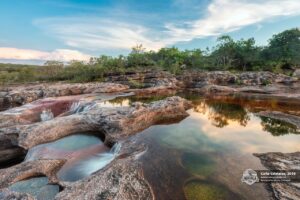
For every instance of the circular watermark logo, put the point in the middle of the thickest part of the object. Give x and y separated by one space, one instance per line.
249 177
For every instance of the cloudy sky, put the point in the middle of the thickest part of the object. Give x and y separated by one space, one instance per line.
33 31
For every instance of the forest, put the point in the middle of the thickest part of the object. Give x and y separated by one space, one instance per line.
280 55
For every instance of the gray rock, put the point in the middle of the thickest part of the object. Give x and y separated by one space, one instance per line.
282 161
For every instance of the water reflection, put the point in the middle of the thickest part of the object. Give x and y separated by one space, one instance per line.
222 113
277 127
215 144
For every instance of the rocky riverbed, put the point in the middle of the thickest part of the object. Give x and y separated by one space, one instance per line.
41 114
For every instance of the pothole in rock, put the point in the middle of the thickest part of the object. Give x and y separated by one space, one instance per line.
38 187
85 155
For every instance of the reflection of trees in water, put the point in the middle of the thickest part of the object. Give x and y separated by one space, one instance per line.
221 113
277 127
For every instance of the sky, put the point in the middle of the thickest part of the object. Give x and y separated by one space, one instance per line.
34 31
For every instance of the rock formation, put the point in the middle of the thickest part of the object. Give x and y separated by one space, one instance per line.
20 95
282 161
115 123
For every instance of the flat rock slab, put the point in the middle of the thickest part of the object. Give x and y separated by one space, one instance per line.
282 161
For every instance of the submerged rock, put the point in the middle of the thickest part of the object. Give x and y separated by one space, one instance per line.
38 187
199 190
282 161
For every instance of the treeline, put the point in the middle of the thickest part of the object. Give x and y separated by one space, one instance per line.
281 54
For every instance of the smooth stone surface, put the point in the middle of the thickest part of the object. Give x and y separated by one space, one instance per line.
38 187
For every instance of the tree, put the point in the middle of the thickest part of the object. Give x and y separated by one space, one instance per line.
138 57
247 53
284 48
225 52
51 69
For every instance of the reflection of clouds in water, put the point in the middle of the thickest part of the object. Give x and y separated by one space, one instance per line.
248 139
187 136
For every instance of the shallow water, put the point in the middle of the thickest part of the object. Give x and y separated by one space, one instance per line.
78 169
85 154
38 187
205 154
201 157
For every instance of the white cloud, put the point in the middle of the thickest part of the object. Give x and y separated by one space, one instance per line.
224 16
95 33
29 54
221 16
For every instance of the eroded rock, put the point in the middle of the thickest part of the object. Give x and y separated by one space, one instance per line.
29 169
282 161
115 123
6 194
25 94
145 79
122 179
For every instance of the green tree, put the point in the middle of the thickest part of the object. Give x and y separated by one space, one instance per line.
51 69
138 57
284 48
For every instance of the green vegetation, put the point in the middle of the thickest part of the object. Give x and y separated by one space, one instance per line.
197 190
280 55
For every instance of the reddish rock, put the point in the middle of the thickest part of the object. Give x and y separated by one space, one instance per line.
29 169
19 95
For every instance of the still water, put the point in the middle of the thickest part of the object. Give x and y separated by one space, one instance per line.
204 155
38 187
84 153
201 157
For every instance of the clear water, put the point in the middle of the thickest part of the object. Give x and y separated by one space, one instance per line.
201 157
81 168
62 147
204 155
38 187
85 155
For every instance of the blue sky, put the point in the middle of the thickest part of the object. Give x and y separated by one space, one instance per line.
33 31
